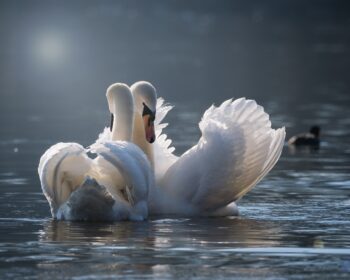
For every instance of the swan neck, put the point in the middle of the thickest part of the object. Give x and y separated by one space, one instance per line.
123 121
139 138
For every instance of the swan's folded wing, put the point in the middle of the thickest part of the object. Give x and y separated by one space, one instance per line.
131 163
163 151
237 149
62 169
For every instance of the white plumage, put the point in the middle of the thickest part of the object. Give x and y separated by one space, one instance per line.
112 186
163 151
237 149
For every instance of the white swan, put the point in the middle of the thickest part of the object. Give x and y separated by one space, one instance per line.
237 149
112 186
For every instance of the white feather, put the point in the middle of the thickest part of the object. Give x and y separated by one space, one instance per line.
237 149
71 180
162 149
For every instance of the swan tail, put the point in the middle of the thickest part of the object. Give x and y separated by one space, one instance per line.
237 149
62 169
162 148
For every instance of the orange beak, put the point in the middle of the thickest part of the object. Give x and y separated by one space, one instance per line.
149 128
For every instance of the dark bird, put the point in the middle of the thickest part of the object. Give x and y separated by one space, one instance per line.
311 138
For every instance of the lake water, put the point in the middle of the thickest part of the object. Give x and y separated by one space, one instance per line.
293 58
294 224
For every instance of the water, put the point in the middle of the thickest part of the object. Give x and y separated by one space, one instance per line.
294 224
293 59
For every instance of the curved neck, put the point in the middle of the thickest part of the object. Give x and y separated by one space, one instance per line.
123 119
139 137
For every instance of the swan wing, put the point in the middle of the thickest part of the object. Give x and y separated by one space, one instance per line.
237 149
162 148
126 172
62 169
104 136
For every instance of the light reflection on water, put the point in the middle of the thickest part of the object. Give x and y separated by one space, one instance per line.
171 247
295 224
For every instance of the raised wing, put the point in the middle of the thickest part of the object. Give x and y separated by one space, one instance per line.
237 149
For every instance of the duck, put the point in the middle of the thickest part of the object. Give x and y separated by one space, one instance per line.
311 138
236 151
107 181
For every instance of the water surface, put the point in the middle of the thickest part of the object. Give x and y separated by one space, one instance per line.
294 224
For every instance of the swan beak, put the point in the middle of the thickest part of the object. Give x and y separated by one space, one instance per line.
149 128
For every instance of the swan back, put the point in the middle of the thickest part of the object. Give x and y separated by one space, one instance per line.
62 169
80 188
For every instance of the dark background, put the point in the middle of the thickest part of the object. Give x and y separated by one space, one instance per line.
58 58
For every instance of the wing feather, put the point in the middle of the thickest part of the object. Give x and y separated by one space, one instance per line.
133 166
237 149
163 151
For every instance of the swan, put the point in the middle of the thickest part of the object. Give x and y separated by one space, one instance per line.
237 149
112 186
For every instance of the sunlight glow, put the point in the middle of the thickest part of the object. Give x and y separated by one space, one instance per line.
50 48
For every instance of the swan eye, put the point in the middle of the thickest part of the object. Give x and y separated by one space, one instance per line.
148 111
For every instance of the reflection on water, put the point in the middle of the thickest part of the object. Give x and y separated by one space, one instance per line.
305 149
171 247
165 232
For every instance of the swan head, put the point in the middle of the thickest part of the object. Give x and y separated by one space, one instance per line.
120 104
145 98
118 92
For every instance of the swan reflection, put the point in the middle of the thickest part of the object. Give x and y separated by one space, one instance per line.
171 233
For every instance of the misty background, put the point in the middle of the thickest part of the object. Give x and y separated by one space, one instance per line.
57 58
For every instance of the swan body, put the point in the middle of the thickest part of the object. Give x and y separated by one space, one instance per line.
112 186
237 149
